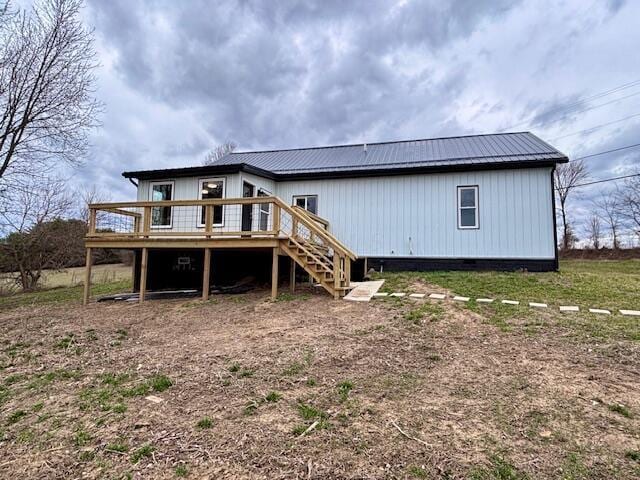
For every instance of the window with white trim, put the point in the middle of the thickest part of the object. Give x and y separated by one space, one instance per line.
265 209
161 216
212 188
308 202
468 207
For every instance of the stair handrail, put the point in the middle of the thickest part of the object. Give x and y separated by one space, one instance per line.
312 216
310 224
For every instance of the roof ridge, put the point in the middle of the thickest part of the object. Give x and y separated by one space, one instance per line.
297 149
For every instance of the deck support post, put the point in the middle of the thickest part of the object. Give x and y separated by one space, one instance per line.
292 277
206 272
274 274
336 275
347 271
87 277
143 273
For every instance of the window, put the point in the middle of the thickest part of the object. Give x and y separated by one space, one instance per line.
265 209
212 188
468 207
308 202
161 216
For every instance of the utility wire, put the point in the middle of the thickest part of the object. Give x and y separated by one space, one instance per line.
635 145
599 181
593 129
583 100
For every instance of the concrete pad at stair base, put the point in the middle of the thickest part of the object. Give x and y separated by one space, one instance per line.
417 295
461 299
537 305
438 296
600 310
363 291
569 308
511 302
485 300
635 313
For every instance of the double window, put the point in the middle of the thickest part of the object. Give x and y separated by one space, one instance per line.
308 202
212 188
161 216
468 207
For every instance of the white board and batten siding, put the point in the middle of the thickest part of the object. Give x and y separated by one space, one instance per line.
416 215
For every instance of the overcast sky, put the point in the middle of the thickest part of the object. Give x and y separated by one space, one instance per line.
179 77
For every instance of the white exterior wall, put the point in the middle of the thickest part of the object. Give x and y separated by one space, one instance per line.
416 215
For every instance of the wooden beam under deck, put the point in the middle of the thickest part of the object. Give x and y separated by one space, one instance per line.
181 242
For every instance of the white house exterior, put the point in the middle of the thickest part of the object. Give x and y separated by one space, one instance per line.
483 201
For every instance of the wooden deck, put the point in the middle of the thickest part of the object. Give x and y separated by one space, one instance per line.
255 222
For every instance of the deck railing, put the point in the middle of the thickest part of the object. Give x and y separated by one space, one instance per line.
300 234
214 218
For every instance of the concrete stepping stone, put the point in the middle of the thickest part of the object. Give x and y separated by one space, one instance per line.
538 305
417 295
397 294
635 313
569 308
381 294
484 300
461 299
599 310
511 302
438 296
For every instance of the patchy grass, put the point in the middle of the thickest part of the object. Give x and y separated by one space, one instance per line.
181 471
609 284
621 410
499 469
344 388
144 451
204 423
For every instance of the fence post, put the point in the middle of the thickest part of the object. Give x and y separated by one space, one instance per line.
276 219
336 275
206 273
146 221
208 220
87 277
143 273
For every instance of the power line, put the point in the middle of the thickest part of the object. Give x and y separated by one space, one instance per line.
599 181
605 152
593 129
583 100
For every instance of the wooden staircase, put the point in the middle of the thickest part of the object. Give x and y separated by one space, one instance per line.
307 241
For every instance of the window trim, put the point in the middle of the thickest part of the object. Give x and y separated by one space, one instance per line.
265 193
173 189
476 207
224 194
295 197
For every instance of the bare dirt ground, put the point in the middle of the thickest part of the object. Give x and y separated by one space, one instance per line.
386 392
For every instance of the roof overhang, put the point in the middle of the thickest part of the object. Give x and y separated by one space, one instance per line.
212 170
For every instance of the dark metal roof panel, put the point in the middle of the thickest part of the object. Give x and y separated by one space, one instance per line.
473 149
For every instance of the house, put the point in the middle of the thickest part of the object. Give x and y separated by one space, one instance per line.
467 202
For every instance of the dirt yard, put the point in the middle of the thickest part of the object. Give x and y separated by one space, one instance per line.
310 388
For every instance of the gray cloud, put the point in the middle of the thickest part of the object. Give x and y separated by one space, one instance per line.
180 77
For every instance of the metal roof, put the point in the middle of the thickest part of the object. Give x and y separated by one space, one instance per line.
473 149
499 150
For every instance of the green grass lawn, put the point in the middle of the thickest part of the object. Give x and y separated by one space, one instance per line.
608 284
62 294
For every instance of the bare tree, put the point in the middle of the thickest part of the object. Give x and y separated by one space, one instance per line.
567 177
608 209
594 231
628 198
218 152
40 238
87 195
47 106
